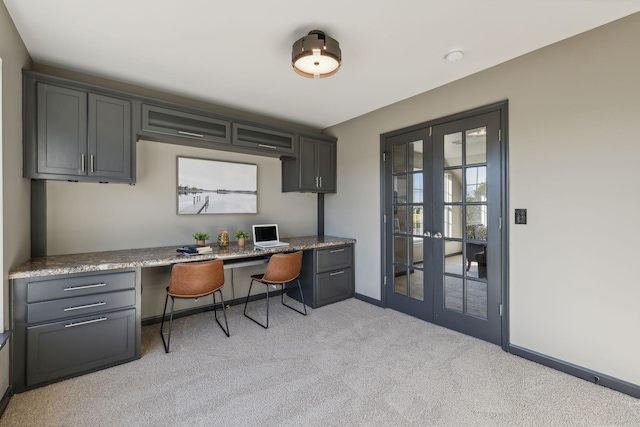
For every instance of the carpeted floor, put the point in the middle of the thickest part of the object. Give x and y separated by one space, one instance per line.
346 364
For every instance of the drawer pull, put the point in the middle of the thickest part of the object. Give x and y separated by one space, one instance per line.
337 250
197 135
77 288
80 307
268 146
335 273
73 325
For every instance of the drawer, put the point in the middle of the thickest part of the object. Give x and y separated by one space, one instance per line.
63 349
79 306
334 258
80 285
334 286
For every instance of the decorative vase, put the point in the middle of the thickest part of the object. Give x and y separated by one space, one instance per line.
201 242
223 238
241 242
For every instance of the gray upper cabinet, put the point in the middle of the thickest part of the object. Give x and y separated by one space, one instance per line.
183 125
314 170
73 134
263 140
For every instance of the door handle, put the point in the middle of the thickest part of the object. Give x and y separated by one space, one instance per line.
427 234
437 235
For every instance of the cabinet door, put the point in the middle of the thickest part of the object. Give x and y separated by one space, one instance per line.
184 125
326 166
61 130
308 173
262 140
109 138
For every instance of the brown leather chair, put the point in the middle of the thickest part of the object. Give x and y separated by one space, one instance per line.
194 280
281 270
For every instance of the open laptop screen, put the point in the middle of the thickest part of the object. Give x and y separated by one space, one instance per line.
265 233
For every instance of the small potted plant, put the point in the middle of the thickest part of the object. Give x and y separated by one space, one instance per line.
201 238
242 236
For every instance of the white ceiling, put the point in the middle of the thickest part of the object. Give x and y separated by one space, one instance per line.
238 53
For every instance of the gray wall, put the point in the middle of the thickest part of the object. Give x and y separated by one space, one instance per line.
574 149
15 189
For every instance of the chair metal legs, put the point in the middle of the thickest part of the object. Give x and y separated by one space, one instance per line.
281 300
167 343
301 297
224 312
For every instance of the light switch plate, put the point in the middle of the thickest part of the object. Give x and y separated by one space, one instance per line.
521 216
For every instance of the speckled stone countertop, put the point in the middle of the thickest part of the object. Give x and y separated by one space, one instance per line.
153 257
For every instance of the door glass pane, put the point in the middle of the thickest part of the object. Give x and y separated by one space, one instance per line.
453 257
476 228
452 221
417 221
453 149
399 158
400 219
453 293
400 255
477 298
416 188
400 189
476 145
415 156
475 254
400 280
416 284
476 184
453 185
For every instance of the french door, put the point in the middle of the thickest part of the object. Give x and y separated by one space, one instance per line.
443 235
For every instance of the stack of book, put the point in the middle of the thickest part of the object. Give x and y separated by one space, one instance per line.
195 250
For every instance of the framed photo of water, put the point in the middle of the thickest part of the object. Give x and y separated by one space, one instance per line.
216 187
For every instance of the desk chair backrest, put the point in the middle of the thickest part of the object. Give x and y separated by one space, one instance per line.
196 279
283 268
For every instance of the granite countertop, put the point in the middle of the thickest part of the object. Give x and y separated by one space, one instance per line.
153 257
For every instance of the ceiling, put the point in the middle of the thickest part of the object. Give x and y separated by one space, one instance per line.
238 53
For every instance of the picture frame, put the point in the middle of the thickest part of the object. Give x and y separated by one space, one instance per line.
206 186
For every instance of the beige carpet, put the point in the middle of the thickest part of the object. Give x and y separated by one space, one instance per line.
347 364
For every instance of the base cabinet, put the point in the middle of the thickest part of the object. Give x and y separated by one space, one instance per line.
73 324
327 276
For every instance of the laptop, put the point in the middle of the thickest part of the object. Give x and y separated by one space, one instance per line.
266 236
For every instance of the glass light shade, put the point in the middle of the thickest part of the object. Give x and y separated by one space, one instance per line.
316 64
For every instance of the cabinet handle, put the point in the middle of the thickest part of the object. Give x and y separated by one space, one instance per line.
268 146
336 250
73 325
197 135
320 182
335 273
80 307
77 288
317 182
92 163
82 162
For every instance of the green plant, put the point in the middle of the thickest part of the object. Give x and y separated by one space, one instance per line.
241 233
201 236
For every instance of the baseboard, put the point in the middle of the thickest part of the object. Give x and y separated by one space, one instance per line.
5 400
209 307
578 371
370 300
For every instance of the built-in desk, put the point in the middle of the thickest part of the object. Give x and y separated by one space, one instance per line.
74 314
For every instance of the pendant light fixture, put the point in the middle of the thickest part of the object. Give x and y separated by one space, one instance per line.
316 55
